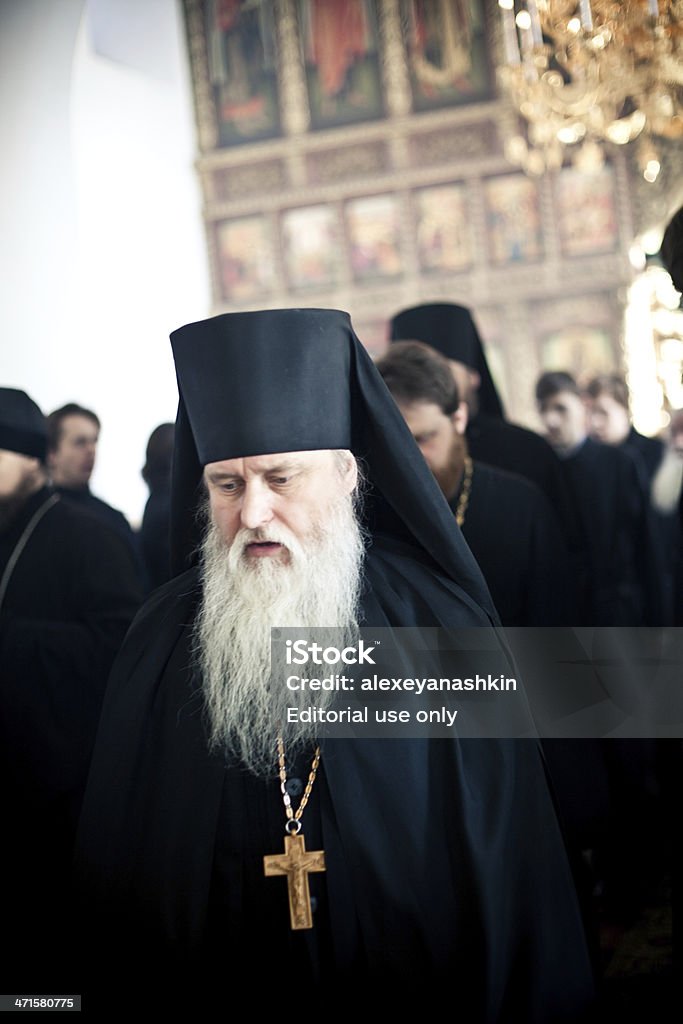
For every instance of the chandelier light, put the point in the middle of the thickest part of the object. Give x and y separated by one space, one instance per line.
596 71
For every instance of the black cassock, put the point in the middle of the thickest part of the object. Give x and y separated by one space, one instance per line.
446 871
621 575
84 499
68 603
507 446
513 533
155 537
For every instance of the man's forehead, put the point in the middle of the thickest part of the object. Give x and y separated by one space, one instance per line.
268 463
561 399
421 411
74 423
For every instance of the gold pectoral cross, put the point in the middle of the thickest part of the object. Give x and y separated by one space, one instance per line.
296 862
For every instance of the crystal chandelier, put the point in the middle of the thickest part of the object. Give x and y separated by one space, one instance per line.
591 72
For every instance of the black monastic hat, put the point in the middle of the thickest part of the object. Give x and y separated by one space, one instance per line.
22 424
451 330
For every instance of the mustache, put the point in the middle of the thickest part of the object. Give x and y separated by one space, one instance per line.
263 535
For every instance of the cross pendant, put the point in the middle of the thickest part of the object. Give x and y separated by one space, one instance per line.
295 863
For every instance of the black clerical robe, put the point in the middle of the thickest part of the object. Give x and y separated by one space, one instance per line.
647 452
507 446
69 600
155 533
446 872
513 533
621 578
84 499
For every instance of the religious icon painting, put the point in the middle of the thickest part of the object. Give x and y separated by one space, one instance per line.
241 58
586 212
514 220
373 226
311 246
442 229
339 43
244 259
583 351
446 50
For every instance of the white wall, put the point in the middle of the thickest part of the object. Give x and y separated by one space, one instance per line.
101 240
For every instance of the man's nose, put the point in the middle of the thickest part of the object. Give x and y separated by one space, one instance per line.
256 507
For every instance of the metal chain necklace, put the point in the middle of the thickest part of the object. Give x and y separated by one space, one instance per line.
464 499
296 861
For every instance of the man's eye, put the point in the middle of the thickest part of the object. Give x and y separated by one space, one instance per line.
280 480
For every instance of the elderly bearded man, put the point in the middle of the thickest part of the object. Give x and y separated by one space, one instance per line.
444 869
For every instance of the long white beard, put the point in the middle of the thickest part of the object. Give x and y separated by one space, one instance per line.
320 586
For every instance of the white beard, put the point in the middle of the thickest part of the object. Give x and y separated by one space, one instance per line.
319 586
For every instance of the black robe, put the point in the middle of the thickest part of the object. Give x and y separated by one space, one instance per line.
507 446
155 536
84 499
648 452
513 533
69 601
446 871
620 572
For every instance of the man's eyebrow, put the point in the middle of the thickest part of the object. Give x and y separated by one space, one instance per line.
221 475
218 475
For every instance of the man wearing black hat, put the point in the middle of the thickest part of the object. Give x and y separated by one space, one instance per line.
67 595
450 329
443 869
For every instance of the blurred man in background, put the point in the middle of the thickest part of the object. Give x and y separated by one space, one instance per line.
610 422
72 436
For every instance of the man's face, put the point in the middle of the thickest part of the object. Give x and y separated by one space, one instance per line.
272 497
284 548
73 461
608 420
17 473
565 420
440 439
